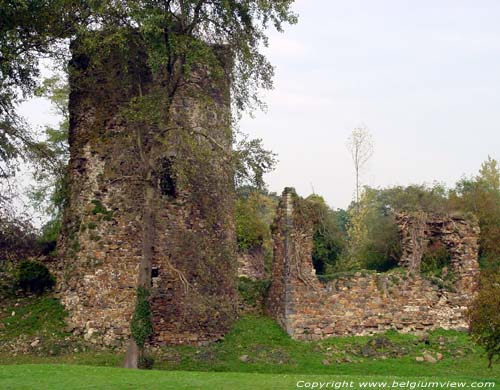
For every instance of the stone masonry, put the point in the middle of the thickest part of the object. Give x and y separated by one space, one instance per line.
251 263
458 234
193 297
365 303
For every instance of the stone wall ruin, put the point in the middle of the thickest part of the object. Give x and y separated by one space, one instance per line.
193 296
367 302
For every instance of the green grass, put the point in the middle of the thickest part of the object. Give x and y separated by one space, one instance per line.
84 377
268 349
257 353
35 315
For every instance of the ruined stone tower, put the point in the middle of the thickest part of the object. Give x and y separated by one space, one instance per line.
118 116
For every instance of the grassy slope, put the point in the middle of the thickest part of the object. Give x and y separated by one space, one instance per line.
267 350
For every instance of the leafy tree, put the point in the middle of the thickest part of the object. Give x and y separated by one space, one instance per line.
251 230
49 193
433 199
484 315
255 211
29 30
252 161
17 238
373 237
481 196
177 35
329 235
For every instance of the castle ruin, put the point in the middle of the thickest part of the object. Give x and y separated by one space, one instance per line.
116 119
368 303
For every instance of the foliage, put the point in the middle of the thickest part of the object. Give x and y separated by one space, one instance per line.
432 199
254 213
252 292
329 235
34 277
99 208
484 314
250 229
373 238
141 325
29 30
435 257
252 161
17 238
481 195
49 194
146 362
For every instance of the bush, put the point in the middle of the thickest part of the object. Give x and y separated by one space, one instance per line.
435 258
252 292
484 315
146 362
34 277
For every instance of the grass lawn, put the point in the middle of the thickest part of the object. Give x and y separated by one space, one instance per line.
256 354
86 377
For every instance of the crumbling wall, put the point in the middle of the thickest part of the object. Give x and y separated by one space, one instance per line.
365 302
251 263
193 295
458 234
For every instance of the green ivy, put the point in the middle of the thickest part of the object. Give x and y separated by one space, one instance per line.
99 208
141 325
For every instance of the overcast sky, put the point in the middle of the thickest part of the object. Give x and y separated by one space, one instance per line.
423 76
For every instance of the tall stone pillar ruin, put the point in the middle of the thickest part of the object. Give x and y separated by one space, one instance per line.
117 116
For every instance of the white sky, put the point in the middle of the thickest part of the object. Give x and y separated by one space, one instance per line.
423 76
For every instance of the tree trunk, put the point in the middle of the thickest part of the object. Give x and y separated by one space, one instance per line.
132 356
144 277
148 237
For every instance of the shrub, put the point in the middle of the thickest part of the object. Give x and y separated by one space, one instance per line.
484 315
436 257
34 277
146 362
252 292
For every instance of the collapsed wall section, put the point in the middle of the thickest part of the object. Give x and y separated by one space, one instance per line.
365 302
118 120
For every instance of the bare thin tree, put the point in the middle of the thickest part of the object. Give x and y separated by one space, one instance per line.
360 144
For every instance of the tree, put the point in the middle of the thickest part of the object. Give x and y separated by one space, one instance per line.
29 30
360 145
329 235
481 195
49 193
178 36
484 315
